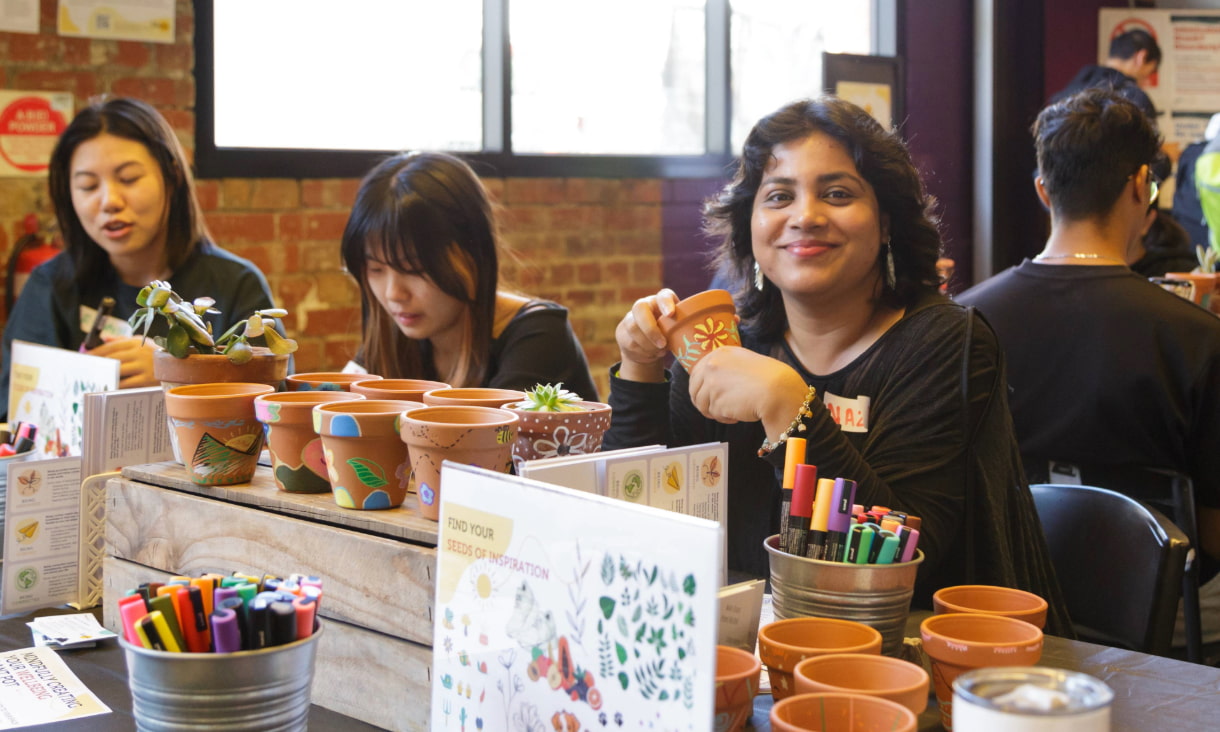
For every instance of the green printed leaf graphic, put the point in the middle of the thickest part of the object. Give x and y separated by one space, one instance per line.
607 604
622 679
622 625
621 652
635 617
369 472
688 584
608 570
639 636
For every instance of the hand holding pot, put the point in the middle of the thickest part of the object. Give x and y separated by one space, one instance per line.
738 385
641 341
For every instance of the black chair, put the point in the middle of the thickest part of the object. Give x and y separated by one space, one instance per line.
1120 564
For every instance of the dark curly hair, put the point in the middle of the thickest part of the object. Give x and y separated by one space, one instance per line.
881 158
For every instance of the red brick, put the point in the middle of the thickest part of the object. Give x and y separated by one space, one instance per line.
293 290
28 48
519 218
82 84
175 57
208 193
291 257
568 217
261 255
134 55
181 120
158 91
339 351
310 354
588 244
326 225
320 256
331 320
631 294
586 190
495 188
184 28
616 272
642 191
337 288
279 193
646 271
533 190
235 193
560 274
329 193
292 227
573 298
240 228
589 273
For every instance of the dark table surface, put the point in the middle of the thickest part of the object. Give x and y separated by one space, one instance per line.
104 671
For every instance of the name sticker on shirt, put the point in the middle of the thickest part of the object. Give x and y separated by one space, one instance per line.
850 414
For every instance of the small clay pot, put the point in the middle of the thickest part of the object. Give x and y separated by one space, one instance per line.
325 381
865 673
737 676
835 712
296 449
785 643
366 460
412 390
1205 286
699 325
481 436
554 434
472 397
958 642
991 600
217 430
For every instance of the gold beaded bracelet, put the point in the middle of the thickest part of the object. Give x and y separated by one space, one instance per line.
798 424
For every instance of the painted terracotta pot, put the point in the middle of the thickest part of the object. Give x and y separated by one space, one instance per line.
959 642
833 712
737 676
325 381
480 436
554 434
411 390
472 397
1205 287
366 460
217 430
296 449
785 643
864 673
699 325
991 600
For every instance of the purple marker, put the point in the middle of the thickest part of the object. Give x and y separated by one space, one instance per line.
223 593
226 633
908 547
838 524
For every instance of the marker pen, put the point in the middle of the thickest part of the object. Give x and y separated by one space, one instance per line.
132 609
859 543
26 434
802 509
258 622
281 623
155 633
840 519
306 612
889 549
226 631
794 454
908 551
200 612
94 338
238 607
169 614
874 551
816 549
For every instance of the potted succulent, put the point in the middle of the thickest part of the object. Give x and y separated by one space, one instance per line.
556 422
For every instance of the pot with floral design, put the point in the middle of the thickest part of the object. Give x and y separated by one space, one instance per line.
366 460
480 436
217 431
296 449
699 325
556 422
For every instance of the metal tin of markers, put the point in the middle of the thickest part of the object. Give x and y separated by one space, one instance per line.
976 709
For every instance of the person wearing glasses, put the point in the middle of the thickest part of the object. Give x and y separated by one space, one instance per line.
1110 374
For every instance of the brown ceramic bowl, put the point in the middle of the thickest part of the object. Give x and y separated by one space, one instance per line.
472 397
991 600
865 673
412 390
785 643
831 711
325 381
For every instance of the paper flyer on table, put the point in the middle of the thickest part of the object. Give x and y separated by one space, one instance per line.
558 607
37 687
41 535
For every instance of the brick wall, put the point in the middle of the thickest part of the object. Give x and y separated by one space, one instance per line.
594 245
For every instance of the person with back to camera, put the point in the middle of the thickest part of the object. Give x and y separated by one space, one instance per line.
125 203
423 245
827 223
1133 58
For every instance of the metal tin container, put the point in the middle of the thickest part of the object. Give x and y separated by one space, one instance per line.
984 701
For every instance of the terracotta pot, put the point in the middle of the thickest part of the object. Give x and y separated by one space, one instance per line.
785 643
472 397
480 436
1205 286
958 642
325 381
411 390
991 600
217 430
829 712
737 675
366 460
554 434
863 673
699 325
296 449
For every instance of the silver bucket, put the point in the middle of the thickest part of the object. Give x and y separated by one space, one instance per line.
261 690
878 595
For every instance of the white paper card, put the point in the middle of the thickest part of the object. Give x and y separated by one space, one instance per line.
37 687
48 386
41 535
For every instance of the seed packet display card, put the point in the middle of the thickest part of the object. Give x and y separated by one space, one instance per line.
556 604
47 387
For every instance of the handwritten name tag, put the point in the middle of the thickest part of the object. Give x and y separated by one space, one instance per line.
850 414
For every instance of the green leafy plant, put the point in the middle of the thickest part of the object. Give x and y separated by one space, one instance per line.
550 398
1207 259
188 329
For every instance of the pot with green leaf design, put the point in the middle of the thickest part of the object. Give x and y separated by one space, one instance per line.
366 460
699 325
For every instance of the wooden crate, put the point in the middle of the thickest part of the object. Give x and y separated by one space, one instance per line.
377 568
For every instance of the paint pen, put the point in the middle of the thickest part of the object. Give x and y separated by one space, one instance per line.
840 519
816 548
802 508
794 454
94 338
26 434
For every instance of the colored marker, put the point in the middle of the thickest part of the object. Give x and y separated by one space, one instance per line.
155 633
908 550
281 623
794 454
132 609
859 543
889 548
243 619
840 519
165 604
802 508
226 631
874 551
94 338
816 548
305 608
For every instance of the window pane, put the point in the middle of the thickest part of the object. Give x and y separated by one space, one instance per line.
624 78
364 75
777 47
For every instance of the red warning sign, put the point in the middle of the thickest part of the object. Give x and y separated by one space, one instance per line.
30 123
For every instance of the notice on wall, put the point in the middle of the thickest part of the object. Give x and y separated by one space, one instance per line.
19 16
30 123
132 20
37 687
41 535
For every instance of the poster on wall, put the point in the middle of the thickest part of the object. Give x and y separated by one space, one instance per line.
131 20
19 16
30 123
873 83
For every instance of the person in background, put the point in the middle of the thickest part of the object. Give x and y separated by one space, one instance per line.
1207 184
1133 58
1164 245
124 199
422 243
1187 208
849 344
1110 374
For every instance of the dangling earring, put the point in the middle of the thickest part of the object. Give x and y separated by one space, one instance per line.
758 277
890 280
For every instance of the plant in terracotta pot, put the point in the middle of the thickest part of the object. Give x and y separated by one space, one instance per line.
556 422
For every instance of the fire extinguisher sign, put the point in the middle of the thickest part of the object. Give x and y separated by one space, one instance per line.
30 123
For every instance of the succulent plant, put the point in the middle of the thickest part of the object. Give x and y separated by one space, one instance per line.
1207 259
188 329
550 398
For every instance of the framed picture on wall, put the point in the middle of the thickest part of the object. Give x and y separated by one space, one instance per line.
872 82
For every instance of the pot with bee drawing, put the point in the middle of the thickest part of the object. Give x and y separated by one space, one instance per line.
479 436
556 422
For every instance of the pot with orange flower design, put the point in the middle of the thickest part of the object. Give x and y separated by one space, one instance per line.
480 436
699 325
366 460
217 432
556 422
296 449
